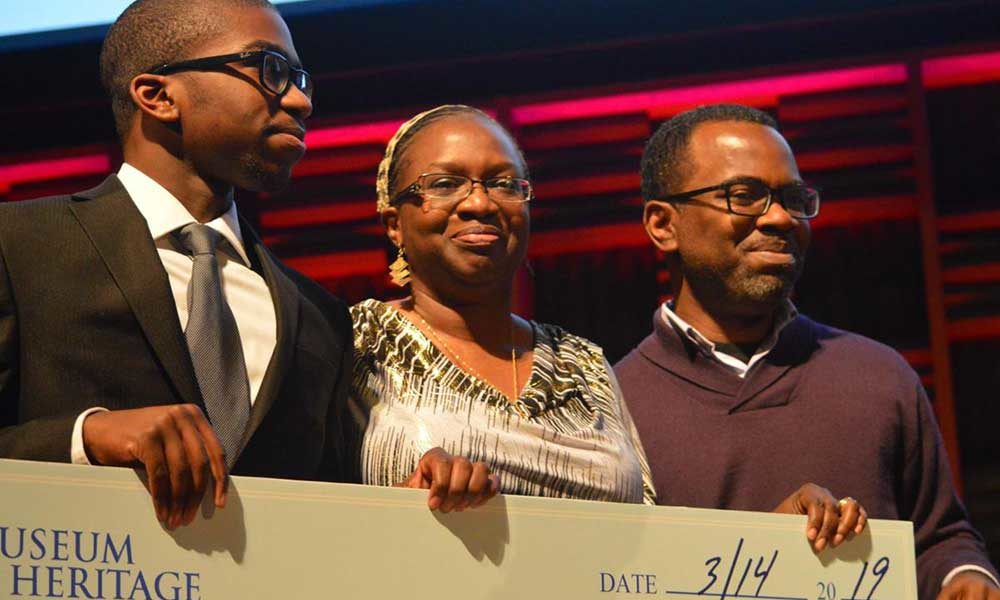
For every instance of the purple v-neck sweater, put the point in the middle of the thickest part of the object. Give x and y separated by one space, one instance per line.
824 406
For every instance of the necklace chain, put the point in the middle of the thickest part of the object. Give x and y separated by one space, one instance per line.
514 401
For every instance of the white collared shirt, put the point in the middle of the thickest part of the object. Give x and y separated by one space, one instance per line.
246 292
707 347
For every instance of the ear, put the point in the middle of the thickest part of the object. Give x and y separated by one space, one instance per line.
660 220
390 218
152 96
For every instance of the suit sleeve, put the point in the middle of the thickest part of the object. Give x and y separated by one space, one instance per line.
340 460
943 535
46 438
8 362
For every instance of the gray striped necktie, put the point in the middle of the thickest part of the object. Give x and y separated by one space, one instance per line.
214 342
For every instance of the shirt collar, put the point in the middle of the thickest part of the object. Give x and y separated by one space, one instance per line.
165 214
786 314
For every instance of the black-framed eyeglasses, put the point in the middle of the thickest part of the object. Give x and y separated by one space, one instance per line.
444 190
276 74
752 197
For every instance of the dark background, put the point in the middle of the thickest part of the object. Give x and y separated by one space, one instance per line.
906 250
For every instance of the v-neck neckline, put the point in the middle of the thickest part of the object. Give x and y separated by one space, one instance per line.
439 354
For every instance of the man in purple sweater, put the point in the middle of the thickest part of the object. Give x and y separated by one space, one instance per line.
736 396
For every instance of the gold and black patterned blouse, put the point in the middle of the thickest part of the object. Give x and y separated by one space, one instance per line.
575 440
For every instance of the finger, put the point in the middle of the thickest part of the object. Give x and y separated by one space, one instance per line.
197 460
436 466
178 468
479 484
826 532
492 488
947 594
980 591
990 592
216 455
461 473
149 452
848 519
814 520
950 592
862 520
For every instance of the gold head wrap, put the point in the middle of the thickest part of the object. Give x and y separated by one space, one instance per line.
382 181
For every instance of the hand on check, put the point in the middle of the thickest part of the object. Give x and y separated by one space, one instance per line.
830 521
454 482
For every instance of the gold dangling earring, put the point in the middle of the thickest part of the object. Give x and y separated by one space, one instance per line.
399 270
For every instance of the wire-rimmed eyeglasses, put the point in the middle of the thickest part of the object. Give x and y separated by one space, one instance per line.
444 190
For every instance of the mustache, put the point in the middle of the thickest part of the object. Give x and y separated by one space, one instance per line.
772 243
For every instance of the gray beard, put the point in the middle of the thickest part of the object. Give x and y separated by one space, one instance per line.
724 292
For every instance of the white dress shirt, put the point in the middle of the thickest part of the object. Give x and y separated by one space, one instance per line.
246 292
707 347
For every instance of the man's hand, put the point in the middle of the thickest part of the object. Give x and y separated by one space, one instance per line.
970 585
175 444
453 481
829 521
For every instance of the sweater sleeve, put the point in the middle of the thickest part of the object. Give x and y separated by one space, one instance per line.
945 539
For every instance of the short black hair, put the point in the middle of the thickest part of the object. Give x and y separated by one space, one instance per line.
150 33
449 111
664 161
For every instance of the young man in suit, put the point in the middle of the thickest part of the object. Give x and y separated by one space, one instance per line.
143 323
782 398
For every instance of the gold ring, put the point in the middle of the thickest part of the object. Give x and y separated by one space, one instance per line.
845 500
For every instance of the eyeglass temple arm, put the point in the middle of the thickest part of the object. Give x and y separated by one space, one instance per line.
691 193
198 63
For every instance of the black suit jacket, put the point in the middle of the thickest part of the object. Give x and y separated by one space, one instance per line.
87 319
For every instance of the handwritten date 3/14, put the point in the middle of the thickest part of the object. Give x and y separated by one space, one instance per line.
744 576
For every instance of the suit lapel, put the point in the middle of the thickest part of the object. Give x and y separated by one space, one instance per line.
121 237
286 298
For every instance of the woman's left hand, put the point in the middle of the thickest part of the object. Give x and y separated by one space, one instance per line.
455 483
830 521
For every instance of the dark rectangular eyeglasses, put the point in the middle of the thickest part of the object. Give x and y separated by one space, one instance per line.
752 197
276 74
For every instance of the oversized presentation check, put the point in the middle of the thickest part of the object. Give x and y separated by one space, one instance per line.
86 532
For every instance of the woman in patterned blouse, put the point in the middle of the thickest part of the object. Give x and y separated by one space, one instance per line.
451 365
